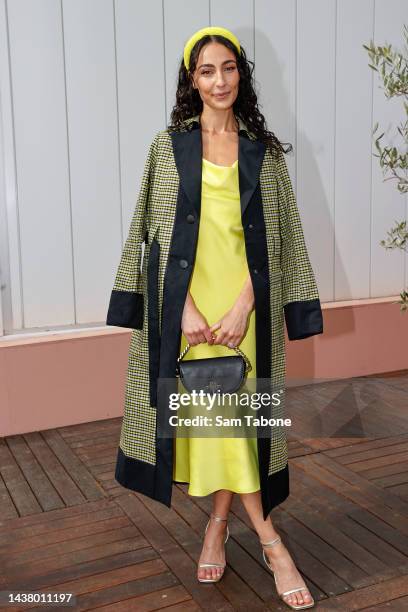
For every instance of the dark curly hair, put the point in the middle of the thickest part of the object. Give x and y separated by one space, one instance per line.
189 103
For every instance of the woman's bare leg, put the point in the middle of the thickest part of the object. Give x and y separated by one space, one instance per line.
213 547
287 575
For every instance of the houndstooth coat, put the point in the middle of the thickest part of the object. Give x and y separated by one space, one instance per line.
150 289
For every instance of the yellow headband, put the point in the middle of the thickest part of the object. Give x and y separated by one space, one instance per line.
203 32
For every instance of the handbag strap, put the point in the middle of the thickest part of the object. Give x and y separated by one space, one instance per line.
248 366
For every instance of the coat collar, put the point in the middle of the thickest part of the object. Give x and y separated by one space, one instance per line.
187 147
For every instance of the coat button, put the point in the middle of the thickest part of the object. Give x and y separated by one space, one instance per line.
183 263
255 271
190 218
250 226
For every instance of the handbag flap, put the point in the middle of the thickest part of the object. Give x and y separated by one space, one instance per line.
224 374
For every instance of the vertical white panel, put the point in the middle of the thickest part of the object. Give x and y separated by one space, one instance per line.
4 266
141 94
94 150
353 105
316 28
8 194
275 65
237 16
181 19
38 94
388 205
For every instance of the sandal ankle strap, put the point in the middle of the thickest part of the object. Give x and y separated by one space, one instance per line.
217 518
272 543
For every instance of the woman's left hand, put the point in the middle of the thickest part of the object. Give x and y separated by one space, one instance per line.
232 327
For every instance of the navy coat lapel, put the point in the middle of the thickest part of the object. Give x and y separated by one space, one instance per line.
187 147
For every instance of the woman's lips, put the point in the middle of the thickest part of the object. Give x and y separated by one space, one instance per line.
222 95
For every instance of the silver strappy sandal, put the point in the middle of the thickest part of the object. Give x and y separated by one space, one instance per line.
285 593
219 519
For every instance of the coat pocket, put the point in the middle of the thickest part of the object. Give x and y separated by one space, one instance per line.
139 343
150 235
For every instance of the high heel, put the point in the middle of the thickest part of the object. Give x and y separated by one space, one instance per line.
285 593
219 519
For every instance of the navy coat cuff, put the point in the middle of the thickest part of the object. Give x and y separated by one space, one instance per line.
125 309
303 319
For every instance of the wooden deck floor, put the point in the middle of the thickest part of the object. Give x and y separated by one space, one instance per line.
67 526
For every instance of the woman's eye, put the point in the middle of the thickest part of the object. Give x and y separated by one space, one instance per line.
229 68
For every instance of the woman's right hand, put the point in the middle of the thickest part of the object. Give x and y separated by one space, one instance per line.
194 325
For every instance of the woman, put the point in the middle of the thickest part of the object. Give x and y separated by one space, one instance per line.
224 260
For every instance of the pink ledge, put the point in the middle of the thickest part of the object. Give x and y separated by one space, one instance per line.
54 379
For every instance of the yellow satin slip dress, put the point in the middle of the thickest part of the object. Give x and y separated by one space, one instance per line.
220 270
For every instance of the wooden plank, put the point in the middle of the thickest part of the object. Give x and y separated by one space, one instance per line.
92 428
113 493
90 453
17 487
401 490
76 469
332 547
8 509
104 476
174 599
97 461
369 596
120 592
88 441
88 567
368 464
45 544
330 509
28 572
187 606
386 470
63 483
391 481
396 605
385 451
103 469
122 576
357 480
13 565
146 519
7 537
45 493
8 524
389 534
111 483
365 445
359 490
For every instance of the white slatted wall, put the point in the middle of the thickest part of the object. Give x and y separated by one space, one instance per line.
84 85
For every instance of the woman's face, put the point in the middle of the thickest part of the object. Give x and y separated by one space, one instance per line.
216 73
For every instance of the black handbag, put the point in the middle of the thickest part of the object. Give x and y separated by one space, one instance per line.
223 374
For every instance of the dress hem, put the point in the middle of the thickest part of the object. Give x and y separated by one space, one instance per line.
216 489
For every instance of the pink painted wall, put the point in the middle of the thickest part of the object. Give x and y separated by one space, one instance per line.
62 379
